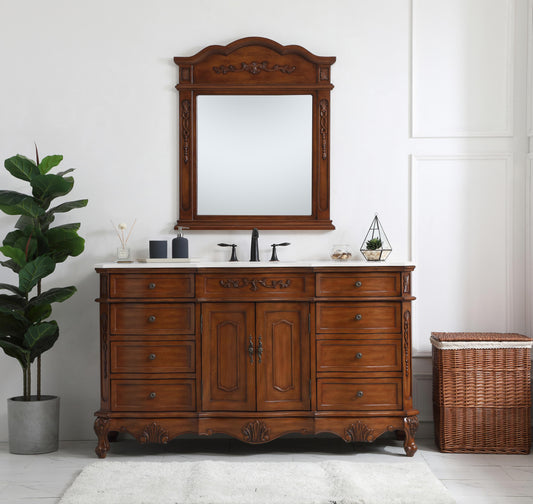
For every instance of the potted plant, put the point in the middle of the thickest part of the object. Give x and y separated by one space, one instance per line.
33 249
376 246
373 249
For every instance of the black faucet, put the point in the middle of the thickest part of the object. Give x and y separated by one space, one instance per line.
254 250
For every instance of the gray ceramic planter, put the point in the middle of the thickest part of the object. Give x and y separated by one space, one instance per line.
33 425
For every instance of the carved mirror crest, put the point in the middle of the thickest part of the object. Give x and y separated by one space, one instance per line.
254 137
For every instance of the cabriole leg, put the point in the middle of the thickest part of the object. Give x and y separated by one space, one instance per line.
410 426
101 427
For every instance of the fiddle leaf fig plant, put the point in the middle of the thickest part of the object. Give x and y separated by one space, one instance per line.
32 250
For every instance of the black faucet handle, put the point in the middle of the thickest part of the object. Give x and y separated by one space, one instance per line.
274 252
233 250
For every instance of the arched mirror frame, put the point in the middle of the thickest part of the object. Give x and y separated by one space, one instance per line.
254 65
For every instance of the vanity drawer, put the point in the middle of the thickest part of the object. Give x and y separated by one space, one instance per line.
358 284
358 317
251 285
156 357
151 318
360 355
151 286
153 395
364 394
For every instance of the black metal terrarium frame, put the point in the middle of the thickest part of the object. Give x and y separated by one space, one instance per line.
376 245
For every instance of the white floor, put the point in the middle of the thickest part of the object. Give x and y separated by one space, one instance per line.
472 479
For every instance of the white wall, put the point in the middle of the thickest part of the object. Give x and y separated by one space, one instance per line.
428 128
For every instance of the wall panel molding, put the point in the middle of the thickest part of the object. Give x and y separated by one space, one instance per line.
452 97
529 245
469 249
530 68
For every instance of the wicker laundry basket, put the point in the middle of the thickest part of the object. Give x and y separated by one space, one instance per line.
481 392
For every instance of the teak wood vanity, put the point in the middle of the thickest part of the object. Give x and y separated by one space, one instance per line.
255 352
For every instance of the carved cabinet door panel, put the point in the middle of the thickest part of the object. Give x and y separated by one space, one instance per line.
228 381
282 369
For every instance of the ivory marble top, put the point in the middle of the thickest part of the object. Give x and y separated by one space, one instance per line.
245 264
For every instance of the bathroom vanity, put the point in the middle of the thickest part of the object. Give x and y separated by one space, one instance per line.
255 351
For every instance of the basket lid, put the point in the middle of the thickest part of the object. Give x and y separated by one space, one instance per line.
478 336
463 341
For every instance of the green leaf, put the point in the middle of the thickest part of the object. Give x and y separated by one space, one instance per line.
14 253
35 271
14 203
70 205
25 223
63 243
49 162
48 187
63 173
40 337
11 288
55 295
19 353
10 303
73 226
38 313
19 239
21 167
13 325
12 265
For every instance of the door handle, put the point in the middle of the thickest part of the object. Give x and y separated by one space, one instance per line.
251 349
259 350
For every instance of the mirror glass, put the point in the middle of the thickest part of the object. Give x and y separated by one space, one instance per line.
254 154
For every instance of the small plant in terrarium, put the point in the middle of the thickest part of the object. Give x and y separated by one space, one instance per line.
376 246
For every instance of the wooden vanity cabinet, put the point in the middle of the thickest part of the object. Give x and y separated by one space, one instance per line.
255 353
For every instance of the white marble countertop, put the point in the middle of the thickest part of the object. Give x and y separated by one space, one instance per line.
197 263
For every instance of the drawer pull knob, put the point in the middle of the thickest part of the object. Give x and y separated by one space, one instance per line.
359 355
358 283
151 285
151 356
151 318
360 393
152 395
358 316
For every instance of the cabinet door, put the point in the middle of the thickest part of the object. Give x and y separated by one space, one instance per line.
282 369
228 381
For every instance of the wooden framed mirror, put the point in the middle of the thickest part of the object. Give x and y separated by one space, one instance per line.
254 137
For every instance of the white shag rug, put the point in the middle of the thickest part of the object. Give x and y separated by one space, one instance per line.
214 482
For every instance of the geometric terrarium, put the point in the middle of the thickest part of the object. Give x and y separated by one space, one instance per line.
376 246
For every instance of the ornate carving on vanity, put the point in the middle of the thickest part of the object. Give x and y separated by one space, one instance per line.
406 283
153 433
407 340
255 353
255 283
359 431
256 432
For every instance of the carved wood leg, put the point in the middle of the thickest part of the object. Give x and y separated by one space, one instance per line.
101 427
410 426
